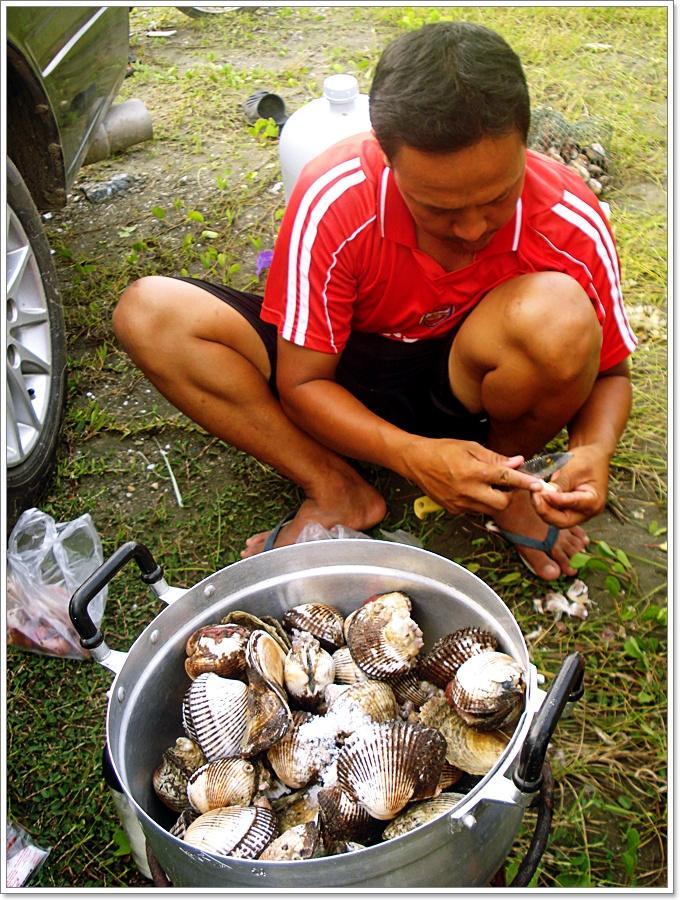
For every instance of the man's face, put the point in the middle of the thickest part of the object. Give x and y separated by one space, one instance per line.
463 197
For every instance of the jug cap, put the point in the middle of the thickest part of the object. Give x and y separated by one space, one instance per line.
340 88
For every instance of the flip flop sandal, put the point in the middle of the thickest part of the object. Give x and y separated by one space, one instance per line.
274 533
523 540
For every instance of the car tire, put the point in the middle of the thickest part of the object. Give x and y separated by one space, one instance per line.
36 352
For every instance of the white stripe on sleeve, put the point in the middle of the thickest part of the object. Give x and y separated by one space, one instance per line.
328 278
383 194
593 234
309 197
518 224
308 238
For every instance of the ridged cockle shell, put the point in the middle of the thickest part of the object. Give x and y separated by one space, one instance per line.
487 690
450 651
241 831
382 637
322 621
171 776
308 670
225 782
467 748
217 648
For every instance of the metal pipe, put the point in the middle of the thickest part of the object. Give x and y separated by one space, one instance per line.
125 124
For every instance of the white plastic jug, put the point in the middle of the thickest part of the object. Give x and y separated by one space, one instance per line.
341 111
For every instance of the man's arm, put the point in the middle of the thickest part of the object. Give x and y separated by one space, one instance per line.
460 475
594 433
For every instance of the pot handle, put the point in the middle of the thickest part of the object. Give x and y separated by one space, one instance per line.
152 574
567 687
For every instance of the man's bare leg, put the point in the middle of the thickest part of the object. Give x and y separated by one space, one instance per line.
209 362
530 368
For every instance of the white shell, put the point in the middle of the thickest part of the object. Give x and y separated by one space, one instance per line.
241 831
225 782
214 715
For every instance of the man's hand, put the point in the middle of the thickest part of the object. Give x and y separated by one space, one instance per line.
581 488
464 475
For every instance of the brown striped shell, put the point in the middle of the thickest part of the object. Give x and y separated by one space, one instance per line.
450 651
240 831
214 713
299 842
469 749
382 637
411 688
308 670
171 776
419 813
342 818
219 649
185 818
322 621
487 690
358 704
268 718
225 782
346 670
384 767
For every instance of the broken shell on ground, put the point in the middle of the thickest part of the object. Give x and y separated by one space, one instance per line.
299 842
419 813
450 651
382 637
308 670
215 715
383 767
217 648
342 818
358 704
170 778
241 831
225 782
346 670
321 620
467 748
487 690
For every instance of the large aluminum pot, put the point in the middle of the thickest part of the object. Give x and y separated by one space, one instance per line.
462 848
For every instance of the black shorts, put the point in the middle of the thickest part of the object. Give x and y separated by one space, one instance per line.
406 384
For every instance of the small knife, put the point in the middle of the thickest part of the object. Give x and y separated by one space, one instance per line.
540 466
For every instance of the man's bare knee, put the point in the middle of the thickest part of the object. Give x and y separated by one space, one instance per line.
137 310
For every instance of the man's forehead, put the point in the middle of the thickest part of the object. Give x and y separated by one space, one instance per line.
484 170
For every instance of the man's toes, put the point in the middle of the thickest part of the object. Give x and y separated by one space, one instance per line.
547 568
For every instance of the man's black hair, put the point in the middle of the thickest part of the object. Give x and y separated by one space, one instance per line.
445 87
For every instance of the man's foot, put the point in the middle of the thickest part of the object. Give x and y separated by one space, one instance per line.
520 517
358 506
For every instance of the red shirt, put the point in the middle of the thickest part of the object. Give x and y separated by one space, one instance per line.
346 257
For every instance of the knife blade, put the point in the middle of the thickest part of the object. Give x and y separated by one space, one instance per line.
540 466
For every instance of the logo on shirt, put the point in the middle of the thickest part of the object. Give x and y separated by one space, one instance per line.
435 316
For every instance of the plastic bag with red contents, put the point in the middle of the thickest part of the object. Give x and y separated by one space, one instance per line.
24 858
46 563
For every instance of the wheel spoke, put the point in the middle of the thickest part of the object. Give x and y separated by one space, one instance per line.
32 315
31 363
13 437
17 261
24 414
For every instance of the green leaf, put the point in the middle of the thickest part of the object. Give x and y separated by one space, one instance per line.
612 585
511 578
209 235
632 838
625 801
158 212
579 560
621 556
632 648
606 549
122 842
195 216
644 697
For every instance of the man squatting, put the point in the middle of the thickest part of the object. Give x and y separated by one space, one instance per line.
442 302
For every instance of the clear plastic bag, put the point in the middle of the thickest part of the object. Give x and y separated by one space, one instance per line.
24 858
46 563
313 531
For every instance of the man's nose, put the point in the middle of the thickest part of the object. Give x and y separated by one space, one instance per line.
469 225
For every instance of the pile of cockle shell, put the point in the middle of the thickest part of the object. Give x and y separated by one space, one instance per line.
590 162
304 737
